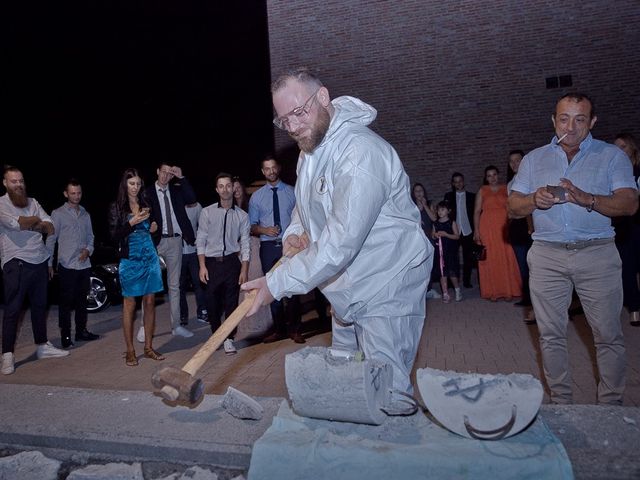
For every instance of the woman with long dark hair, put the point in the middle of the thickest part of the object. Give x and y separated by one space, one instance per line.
139 268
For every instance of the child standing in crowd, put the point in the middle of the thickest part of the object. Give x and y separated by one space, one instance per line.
446 235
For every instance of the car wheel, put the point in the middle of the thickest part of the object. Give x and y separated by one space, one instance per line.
98 296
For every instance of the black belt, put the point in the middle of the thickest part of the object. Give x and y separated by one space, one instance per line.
170 236
224 257
576 245
275 243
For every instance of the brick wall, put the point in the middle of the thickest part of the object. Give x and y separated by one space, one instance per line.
459 83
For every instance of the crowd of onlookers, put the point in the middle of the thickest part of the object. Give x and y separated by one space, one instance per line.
207 250
473 230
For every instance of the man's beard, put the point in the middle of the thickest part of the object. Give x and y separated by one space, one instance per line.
18 197
318 132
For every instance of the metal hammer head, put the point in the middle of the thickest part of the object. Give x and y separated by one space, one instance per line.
176 384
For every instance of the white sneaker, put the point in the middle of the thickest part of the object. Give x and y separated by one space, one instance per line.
229 347
7 363
458 295
182 332
140 335
433 294
47 350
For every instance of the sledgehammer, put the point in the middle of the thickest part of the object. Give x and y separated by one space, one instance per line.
181 385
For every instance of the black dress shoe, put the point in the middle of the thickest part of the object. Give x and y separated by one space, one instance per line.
296 337
86 336
66 342
522 303
274 337
468 285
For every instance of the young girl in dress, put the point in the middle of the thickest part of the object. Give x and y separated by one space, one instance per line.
446 234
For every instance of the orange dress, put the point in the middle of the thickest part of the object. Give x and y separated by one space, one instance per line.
499 273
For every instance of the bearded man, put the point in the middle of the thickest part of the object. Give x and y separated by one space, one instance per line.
23 254
359 230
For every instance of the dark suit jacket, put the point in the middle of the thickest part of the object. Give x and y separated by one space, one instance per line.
470 198
182 194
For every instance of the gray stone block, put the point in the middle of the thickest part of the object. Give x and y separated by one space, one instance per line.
241 405
338 388
110 471
29 465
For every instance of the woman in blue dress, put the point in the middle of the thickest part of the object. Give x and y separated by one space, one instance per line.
139 269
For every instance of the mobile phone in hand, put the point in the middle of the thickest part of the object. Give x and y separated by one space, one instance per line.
558 192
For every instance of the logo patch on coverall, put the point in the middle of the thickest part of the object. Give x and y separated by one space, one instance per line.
321 185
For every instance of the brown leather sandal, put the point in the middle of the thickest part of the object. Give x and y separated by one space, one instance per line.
130 358
152 354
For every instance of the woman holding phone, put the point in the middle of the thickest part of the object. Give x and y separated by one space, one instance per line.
139 268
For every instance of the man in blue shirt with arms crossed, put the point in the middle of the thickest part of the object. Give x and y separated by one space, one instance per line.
573 242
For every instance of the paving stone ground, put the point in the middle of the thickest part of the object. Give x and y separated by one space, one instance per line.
474 335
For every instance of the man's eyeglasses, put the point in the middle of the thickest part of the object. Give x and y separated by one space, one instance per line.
303 110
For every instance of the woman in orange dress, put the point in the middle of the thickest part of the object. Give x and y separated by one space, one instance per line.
499 274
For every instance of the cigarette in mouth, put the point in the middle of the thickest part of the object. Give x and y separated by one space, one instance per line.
561 138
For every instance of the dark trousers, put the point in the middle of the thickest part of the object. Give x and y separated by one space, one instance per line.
320 303
21 280
74 285
190 275
223 289
629 249
285 313
520 252
468 262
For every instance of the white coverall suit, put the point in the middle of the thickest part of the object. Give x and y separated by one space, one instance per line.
367 251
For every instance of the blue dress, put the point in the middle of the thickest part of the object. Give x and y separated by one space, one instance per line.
140 273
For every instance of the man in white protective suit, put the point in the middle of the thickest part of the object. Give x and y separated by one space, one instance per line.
356 224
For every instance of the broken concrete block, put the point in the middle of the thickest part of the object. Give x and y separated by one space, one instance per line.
29 465
480 406
241 405
193 473
337 387
112 471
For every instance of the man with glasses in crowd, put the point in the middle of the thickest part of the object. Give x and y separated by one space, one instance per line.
358 228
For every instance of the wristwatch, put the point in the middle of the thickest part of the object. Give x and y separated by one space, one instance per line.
592 204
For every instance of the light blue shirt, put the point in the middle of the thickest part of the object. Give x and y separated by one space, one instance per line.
598 168
261 207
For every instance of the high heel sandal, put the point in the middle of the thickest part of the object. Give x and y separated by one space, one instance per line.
130 358
152 354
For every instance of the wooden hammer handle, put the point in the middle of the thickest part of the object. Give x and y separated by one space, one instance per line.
220 335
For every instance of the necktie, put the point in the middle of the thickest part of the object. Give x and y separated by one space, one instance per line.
276 207
167 213
224 233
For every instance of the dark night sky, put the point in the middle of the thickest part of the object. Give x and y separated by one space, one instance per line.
92 87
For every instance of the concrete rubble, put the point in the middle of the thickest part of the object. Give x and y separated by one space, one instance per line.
29 465
241 405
